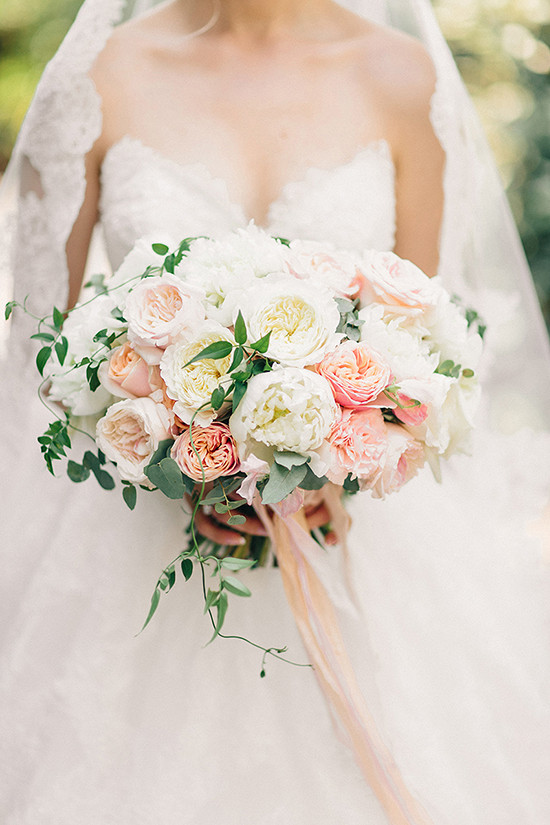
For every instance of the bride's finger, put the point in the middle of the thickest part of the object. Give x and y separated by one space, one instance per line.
252 526
214 531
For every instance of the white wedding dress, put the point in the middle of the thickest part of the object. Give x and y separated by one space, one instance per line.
99 726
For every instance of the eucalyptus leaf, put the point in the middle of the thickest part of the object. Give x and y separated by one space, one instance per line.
217 398
167 477
351 485
162 451
129 494
288 459
282 482
77 472
311 481
235 520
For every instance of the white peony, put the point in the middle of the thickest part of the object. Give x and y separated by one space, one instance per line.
140 258
68 383
191 386
226 267
302 317
403 348
398 283
130 432
286 409
323 264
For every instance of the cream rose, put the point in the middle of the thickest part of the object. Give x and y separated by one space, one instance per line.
216 448
286 409
302 317
130 432
127 375
356 374
158 310
191 385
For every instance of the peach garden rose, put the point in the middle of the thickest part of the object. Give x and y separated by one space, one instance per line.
127 375
215 446
356 373
357 444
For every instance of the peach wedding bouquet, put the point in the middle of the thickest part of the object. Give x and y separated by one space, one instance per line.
248 370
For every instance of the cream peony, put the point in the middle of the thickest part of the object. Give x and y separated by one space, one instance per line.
397 282
158 310
191 386
130 432
286 409
302 317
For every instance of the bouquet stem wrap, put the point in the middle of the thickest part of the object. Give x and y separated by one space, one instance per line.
318 625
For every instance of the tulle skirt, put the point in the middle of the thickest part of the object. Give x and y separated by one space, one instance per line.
448 632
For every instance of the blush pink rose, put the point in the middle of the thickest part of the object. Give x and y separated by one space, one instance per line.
357 445
402 459
396 282
357 375
127 375
410 413
158 309
216 447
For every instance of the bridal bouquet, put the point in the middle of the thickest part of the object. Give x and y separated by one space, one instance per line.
250 369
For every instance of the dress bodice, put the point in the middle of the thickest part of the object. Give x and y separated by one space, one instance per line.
352 205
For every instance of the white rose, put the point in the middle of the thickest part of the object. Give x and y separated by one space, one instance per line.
158 310
130 432
322 263
286 409
301 316
226 267
69 383
191 386
398 283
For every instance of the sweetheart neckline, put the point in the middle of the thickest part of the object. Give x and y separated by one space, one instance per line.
379 147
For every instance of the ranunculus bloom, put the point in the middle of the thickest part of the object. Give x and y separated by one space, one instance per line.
190 386
216 448
397 282
158 310
130 432
301 316
356 374
402 459
286 409
127 375
358 445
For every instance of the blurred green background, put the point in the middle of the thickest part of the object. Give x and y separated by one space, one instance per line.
503 51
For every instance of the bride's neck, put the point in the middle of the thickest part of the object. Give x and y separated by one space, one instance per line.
258 19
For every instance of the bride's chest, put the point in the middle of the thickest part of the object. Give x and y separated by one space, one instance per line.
143 193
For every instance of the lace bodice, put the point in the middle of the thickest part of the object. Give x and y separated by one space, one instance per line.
352 205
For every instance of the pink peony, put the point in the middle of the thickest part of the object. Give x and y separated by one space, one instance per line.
402 460
357 445
356 374
127 375
216 448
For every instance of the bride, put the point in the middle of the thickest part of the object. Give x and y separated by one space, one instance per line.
316 122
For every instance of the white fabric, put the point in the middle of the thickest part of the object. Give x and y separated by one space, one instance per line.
451 639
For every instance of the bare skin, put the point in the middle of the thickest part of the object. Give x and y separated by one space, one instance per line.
270 90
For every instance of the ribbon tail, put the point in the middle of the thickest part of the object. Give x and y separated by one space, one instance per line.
316 620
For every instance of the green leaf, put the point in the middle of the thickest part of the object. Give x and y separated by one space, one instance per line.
58 319
351 485
187 569
61 348
240 329
221 608
167 477
77 472
282 482
238 394
237 519
235 586
10 306
468 373
288 459
283 241
162 451
43 336
231 563
219 349
42 359
129 494
311 481
103 478
211 599
154 604
92 376
217 398
160 248
262 345
224 506
238 356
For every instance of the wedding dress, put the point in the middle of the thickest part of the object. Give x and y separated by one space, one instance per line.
449 639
